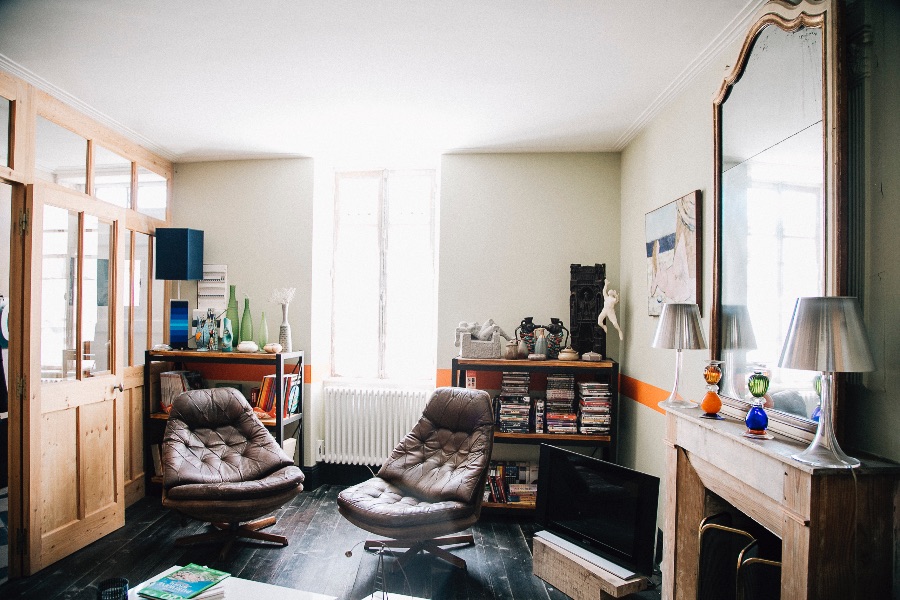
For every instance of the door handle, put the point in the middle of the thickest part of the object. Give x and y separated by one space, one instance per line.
119 387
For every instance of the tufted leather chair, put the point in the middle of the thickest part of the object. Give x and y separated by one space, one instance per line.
221 465
433 483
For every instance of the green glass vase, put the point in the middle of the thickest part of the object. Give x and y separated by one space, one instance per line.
246 323
263 332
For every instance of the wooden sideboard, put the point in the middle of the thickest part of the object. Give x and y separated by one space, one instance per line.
838 529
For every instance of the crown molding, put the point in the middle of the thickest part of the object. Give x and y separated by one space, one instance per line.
13 68
735 30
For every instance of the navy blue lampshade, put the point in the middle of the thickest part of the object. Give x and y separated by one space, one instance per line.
179 254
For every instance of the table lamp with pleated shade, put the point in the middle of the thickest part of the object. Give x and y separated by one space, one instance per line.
679 328
827 334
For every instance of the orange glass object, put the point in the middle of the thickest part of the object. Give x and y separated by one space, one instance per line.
713 373
711 403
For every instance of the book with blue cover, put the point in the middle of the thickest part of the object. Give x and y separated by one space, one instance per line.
186 582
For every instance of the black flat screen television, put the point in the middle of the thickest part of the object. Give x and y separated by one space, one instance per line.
603 507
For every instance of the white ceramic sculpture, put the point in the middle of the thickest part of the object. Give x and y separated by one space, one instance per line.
484 333
610 298
273 348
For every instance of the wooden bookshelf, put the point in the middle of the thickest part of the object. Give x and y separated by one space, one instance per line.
580 439
280 363
605 370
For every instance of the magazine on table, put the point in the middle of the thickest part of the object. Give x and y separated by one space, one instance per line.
181 583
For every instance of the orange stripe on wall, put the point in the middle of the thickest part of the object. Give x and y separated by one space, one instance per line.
443 377
642 393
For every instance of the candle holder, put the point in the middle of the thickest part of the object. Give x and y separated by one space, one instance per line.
757 420
712 404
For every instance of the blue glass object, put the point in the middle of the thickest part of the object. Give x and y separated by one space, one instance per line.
757 421
817 412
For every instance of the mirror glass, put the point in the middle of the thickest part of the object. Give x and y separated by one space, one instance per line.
772 211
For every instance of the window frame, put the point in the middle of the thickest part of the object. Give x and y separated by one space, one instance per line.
383 247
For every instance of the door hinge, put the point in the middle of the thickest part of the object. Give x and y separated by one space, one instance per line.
23 221
20 388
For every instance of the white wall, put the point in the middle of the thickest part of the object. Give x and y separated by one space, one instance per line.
257 218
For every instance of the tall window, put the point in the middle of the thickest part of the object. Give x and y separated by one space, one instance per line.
384 275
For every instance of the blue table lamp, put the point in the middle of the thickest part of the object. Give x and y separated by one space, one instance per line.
179 257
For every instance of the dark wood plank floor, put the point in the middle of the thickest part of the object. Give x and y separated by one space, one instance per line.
499 562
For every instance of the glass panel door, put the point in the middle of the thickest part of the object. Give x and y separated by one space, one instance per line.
59 299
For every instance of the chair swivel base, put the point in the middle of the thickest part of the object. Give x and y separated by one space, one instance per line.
432 546
230 532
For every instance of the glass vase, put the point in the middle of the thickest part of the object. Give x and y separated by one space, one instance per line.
263 332
246 323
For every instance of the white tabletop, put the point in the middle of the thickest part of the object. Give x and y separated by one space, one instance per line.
244 589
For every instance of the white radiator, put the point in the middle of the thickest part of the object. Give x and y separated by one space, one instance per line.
362 425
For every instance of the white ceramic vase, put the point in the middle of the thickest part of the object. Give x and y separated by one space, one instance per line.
284 331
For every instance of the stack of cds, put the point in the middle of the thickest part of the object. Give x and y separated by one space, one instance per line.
594 404
514 412
539 415
560 410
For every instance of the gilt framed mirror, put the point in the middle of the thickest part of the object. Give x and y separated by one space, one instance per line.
778 213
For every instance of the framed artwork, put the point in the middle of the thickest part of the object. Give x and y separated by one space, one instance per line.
673 240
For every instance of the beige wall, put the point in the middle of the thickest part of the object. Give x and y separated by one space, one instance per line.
510 226
257 218
671 157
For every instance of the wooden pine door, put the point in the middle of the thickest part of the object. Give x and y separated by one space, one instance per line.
75 453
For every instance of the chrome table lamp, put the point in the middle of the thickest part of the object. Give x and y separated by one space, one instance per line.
679 328
827 334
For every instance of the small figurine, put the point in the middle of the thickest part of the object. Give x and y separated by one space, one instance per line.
610 298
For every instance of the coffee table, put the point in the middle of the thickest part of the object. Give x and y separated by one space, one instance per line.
243 589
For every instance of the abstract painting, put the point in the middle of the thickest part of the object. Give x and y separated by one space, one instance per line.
673 253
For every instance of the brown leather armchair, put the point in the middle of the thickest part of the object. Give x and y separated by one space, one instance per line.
221 465
433 483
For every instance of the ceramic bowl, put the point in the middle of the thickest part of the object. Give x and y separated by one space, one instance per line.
248 346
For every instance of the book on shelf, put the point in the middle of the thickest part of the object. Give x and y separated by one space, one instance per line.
173 383
181 583
511 482
264 402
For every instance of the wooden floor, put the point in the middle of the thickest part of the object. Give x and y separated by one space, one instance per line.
499 564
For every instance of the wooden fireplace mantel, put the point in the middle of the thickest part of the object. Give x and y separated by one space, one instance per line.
838 533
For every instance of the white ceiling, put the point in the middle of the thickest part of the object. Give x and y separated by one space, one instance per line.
217 79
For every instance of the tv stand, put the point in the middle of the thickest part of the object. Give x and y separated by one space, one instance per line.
576 572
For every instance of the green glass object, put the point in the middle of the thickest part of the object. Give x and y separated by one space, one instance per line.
246 323
232 312
758 383
263 332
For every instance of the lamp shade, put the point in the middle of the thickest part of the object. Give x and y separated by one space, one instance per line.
827 334
679 328
179 254
737 329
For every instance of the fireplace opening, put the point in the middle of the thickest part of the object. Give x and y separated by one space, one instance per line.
739 558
